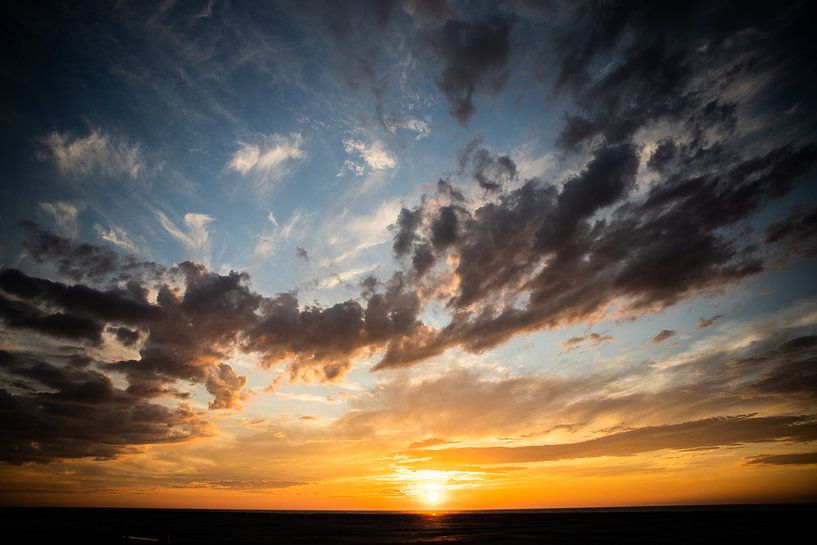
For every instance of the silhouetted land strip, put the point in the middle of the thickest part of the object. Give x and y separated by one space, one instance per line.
687 525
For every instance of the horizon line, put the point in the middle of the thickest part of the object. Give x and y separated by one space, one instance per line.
811 504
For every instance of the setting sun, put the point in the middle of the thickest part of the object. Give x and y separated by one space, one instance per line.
432 496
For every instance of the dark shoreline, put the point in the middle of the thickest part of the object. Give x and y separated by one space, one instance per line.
752 523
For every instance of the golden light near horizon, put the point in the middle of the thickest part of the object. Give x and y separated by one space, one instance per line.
430 493
430 487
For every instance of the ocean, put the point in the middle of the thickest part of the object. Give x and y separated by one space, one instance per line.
658 525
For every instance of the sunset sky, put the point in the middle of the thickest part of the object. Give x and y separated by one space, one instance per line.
408 255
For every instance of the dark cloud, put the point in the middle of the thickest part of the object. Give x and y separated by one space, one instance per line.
319 341
69 412
663 335
199 317
192 326
445 189
533 257
712 432
20 315
117 305
444 228
724 196
789 369
798 458
73 261
606 179
554 247
634 254
474 56
82 261
127 337
797 232
423 259
407 223
573 341
186 332
576 130
663 156
489 170
685 55
646 84
703 323
197 326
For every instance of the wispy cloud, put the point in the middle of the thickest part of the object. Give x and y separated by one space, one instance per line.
64 215
271 161
419 127
95 154
196 238
269 242
365 157
797 458
347 236
593 340
336 279
308 398
207 11
116 236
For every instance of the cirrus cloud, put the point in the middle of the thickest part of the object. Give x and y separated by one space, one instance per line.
269 161
95 154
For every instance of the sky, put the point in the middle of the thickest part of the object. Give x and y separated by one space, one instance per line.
408 254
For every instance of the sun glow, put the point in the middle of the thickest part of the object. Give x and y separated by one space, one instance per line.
428 486
431 493
435 488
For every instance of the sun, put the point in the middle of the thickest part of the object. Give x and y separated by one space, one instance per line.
428 487
431 494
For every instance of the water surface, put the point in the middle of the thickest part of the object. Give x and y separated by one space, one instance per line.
688 525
